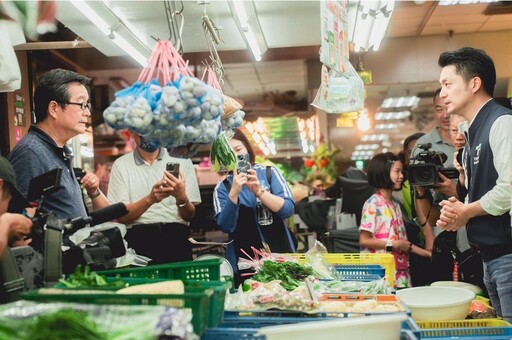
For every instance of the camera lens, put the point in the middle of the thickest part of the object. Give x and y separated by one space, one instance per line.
423 174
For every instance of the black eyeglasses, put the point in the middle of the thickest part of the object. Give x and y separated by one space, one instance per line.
83 106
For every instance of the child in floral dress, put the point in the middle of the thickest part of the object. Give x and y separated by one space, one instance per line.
382 226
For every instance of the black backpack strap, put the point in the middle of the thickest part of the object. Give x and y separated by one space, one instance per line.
227 185
268 170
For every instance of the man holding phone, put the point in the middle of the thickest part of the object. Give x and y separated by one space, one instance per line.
160 193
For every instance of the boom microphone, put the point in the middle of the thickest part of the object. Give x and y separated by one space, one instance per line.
99 216
107 214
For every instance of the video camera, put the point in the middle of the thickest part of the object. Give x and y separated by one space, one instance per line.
99 249
426 165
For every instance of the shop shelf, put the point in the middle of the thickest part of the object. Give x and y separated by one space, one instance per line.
206 270
387 261
199 302
466 329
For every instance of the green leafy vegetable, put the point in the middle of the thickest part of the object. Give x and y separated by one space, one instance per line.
290 273
222 155
64 324
89 279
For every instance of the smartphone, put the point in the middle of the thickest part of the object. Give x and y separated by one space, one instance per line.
243 163
173 168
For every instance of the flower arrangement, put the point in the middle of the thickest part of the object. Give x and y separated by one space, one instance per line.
321 165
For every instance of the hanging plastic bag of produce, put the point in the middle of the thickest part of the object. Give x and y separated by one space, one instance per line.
168 105
222 156
340 92
232 116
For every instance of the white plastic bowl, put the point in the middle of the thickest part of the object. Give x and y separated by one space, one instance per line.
471 287
382 327
437 303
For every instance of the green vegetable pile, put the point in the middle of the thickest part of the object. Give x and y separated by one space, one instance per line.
89 279
62 324
222 155
289 273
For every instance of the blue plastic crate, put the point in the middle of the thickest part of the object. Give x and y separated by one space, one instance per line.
258 322
250 334
360 277
246 328
407 335
222 333
374 269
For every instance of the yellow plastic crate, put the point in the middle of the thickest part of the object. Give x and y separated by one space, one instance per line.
474 328
464 323
385 260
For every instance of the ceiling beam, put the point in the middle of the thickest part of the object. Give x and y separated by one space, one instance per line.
52 45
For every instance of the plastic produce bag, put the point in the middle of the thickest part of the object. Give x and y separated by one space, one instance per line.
182 112
314 259
340 92
19 319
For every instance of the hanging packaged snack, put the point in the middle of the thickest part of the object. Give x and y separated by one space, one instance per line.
340 92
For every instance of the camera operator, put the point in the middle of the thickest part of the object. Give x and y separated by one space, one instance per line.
13 227
62 111
426 199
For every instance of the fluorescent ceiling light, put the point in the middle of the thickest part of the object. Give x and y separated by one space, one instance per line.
360 147
464 2
361 155
390 126
391 115
249 26
398 102
113 31
368 22
374 138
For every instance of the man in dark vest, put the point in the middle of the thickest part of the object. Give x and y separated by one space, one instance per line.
468 77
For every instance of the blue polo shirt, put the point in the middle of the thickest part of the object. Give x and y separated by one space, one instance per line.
36 154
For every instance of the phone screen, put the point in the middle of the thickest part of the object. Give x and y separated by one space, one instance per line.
173 168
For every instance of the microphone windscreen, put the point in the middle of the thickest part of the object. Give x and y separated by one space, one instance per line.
107 214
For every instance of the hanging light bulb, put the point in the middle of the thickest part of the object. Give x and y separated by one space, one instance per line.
365 75
363 122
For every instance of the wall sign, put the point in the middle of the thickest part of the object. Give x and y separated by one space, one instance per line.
335 51
20 118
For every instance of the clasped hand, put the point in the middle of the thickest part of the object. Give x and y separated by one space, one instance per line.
452 214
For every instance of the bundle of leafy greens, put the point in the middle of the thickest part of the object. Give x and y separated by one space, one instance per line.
289 273
89 279
62 324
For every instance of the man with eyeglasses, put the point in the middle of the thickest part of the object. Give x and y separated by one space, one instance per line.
62 111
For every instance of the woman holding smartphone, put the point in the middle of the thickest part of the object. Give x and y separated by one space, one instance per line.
251 205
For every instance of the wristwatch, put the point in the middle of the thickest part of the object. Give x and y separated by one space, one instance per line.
389 246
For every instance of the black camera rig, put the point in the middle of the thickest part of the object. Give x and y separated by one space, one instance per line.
426 165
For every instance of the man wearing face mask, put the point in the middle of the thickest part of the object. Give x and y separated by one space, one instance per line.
160 204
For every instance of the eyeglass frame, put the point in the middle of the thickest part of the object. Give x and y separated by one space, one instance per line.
83 105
